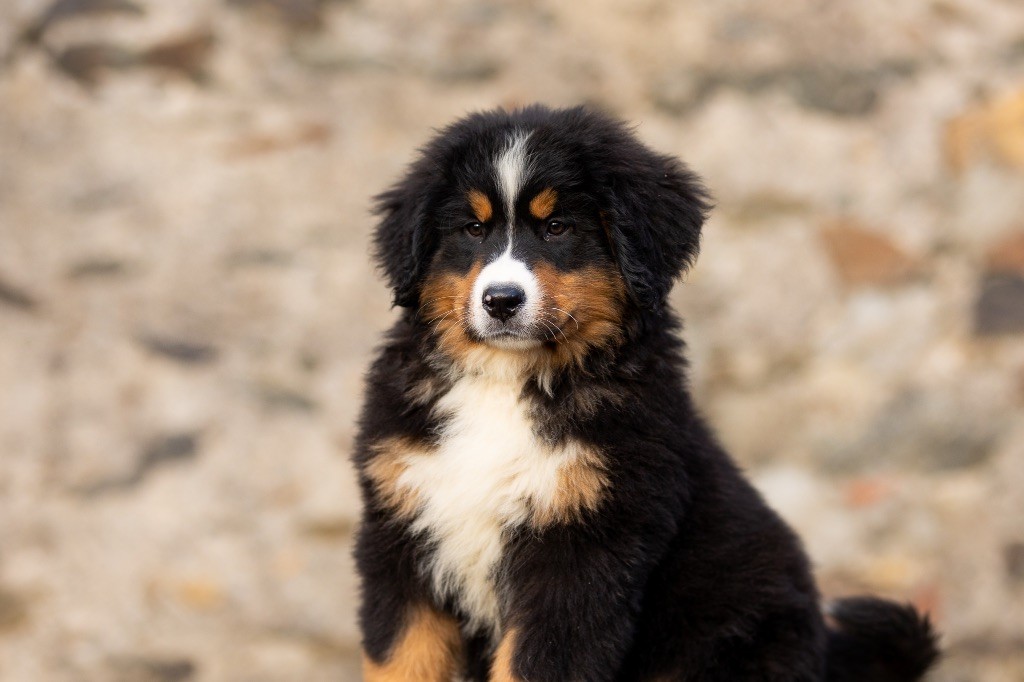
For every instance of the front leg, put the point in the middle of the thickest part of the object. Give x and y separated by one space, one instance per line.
573 596
405 635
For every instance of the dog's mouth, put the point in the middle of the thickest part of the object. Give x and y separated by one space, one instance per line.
516 337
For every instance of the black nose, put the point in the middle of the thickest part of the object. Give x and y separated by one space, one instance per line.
503 300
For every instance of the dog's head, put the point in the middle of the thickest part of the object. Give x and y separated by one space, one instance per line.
537 229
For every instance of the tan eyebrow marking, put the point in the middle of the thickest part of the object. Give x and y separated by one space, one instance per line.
543 205
480 204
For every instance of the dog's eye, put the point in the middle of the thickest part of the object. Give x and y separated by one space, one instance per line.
474 229
555 228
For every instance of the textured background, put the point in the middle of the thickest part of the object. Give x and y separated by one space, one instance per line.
187 304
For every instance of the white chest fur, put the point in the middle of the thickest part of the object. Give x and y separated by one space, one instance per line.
487 474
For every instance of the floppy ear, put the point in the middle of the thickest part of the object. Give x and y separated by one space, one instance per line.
653 211
404 238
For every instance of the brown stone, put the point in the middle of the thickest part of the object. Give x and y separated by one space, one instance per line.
867 491
200 594
1007 254
187 54
258 144
13 610
993 130
865 258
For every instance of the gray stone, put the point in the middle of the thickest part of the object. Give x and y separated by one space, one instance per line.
1000 306
174 448
17 297
1013 556
181 350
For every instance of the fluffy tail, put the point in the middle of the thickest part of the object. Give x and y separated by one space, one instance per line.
874 640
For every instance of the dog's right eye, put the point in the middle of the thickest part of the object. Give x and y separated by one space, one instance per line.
474 230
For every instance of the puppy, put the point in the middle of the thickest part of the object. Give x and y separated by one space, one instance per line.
542 500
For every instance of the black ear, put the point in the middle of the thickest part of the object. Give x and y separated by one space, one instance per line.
653 210
404 239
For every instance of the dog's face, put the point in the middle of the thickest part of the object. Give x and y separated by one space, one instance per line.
537 231
522 259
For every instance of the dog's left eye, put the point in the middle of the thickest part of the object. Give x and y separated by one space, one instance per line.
555 228
474 229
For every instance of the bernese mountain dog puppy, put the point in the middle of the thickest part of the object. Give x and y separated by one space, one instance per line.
542 500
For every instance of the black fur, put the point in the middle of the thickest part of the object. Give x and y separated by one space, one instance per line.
683 572
876 640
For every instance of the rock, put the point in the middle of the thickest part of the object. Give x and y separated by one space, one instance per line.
868 491
257 144
62 10
469 69
992 130
276 397
752 209
296 14
96 268
842 92
679 92
1013 558
200 594
181 350
1007 254
14 610
186 55
152 669
922 429
830 88
17 297
168 449
329 529
259 258
999 308
159 451
87 62
865 258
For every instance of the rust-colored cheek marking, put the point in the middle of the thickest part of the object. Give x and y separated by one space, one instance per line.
501 668
445 305
543 205
587 305
428 650
480 204
390 461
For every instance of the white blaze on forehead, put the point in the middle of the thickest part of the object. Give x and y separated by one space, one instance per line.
512 167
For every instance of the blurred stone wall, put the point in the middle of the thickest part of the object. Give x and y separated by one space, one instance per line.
187 303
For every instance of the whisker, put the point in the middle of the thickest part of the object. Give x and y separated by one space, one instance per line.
570 316
442 318
436 299
558 328
460 322
551 329
454 308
